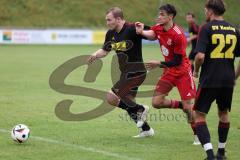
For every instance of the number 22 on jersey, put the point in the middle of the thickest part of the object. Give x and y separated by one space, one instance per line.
229 39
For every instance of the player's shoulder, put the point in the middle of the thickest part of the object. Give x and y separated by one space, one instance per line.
109 31
206 26
130 24
177 32
219 22
212 25
130 27
157 27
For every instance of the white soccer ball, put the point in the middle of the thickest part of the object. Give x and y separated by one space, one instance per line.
20 133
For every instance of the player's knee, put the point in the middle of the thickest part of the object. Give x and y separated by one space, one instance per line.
111 99
199 117
188 105
223 116
157 103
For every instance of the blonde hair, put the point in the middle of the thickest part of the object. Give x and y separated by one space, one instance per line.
116 11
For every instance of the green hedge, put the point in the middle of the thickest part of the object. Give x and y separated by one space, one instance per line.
91 13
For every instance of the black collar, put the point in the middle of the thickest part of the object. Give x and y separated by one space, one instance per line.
123 28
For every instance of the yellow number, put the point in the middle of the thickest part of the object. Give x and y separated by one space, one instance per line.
120 46
220 40
230 39
217 52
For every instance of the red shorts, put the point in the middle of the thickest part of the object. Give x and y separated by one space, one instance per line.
184 83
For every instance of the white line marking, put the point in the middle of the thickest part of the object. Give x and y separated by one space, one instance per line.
81 147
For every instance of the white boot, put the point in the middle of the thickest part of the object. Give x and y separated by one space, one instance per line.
144 134
196 140
142 116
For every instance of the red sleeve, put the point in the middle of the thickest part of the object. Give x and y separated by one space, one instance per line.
154 29
179 45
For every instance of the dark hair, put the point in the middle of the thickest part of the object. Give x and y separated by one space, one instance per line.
116 11
170 9
191 14
217 6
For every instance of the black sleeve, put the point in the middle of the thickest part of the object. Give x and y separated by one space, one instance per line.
146 27
177 60
107 43
237 50
203 40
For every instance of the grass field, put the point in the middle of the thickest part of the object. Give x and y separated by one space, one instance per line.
85 13
26 97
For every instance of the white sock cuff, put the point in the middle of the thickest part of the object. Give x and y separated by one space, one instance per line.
207 146
221 145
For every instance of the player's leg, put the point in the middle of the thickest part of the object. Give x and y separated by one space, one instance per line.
187 90
121 89
118 95
224 101
202 106
124 103
188 109
223 128
160 101
163 87
191 57
131 96
146 130
114 100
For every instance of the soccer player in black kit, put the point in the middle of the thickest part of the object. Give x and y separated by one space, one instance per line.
217 47
193 31
122 38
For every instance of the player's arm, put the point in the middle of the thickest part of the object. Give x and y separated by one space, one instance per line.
176 61
195 33
237 74
177 58
149 34
201 48
199 59
192 37
96 55
106 48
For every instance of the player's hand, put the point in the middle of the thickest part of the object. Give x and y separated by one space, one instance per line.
188 41
152 64
91 59
139 27
195 74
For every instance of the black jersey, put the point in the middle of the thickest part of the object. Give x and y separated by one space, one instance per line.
128 46
193 30
219 41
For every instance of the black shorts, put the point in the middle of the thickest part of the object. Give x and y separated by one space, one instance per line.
192 55
128 84
205 97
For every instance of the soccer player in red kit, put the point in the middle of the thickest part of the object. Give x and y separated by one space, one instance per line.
177 67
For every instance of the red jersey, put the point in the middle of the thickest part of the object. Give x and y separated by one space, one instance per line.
173 42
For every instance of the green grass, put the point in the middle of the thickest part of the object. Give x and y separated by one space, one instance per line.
85 13
26 97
